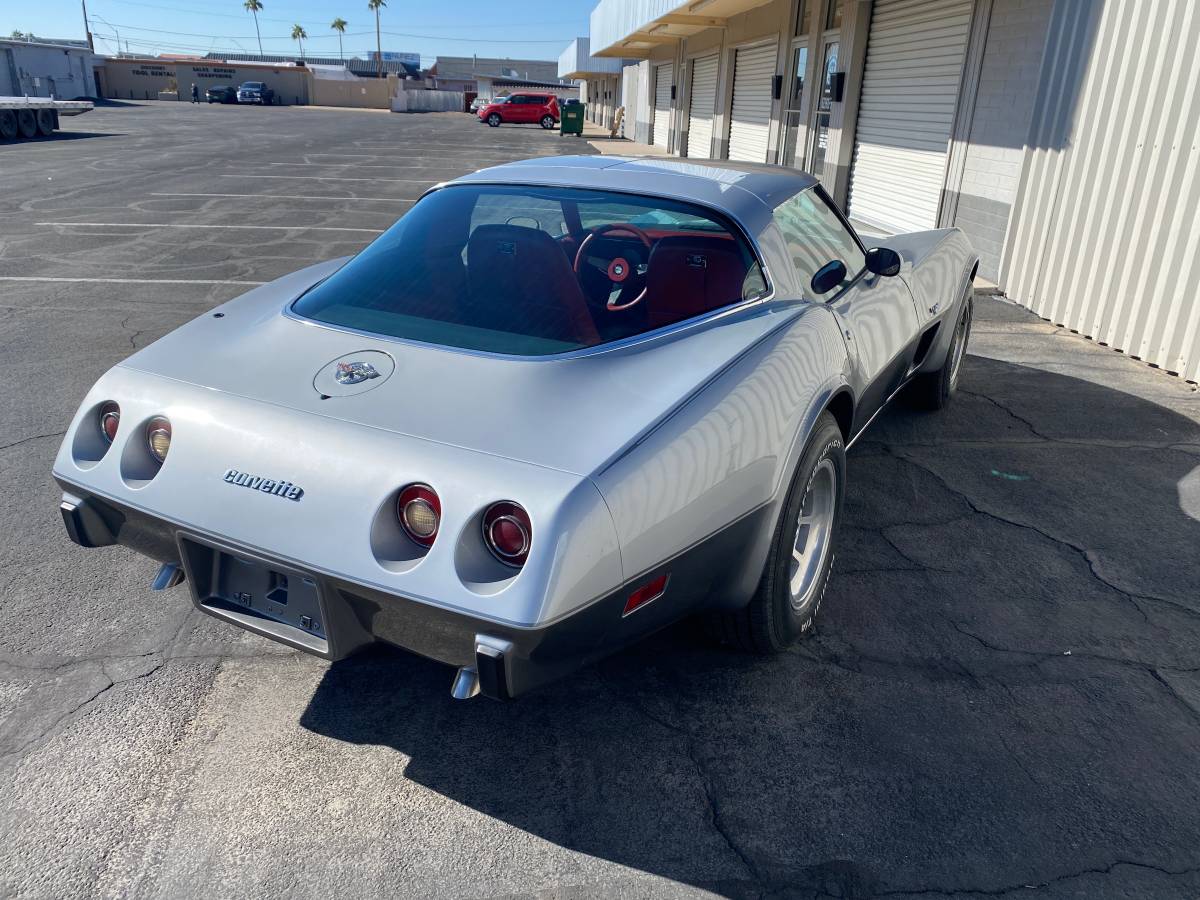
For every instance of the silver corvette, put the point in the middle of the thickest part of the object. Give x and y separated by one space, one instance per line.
560 404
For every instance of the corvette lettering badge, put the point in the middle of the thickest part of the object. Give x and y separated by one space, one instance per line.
284 489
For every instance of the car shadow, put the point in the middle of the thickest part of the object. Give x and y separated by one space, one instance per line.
933 733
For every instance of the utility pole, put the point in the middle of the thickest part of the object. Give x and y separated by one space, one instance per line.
88 31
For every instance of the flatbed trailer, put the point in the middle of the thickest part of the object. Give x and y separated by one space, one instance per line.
30 117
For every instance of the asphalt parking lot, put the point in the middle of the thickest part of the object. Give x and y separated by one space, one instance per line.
1002 696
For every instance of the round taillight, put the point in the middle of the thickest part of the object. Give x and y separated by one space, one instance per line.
158 437
110 420
420 513
508 532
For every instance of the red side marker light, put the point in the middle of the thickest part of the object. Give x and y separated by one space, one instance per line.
646 593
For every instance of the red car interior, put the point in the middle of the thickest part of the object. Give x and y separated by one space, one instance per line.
514 279
510 267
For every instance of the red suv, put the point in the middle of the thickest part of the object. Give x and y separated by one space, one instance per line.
540 108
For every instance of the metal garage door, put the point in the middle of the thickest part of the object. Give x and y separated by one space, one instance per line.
700 109
662 104
915 55
750 115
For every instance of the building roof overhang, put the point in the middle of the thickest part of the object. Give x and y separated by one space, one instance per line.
636 29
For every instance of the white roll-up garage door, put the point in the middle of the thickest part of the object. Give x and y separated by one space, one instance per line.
700 108
915 55
662 104
750 113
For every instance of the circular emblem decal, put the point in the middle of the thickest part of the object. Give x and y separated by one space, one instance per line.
618 269
354 373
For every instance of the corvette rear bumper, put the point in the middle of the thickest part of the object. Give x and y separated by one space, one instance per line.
509 660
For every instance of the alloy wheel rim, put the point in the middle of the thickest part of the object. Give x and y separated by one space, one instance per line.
960 345
811 543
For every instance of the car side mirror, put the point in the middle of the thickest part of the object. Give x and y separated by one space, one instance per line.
883 261
828 277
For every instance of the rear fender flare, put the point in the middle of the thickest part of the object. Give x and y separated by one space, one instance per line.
738 586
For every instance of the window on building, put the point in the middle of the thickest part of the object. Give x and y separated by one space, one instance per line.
833 18
816 236
802 18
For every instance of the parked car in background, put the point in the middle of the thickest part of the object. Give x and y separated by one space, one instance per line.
480 102
519 109
221 93
682 354
255 92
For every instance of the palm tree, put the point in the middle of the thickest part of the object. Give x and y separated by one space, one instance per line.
339 25
254 6
375 6
299 34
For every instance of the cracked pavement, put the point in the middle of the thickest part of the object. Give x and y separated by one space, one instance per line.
1002 697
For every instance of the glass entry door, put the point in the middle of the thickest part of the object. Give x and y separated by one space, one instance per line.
824 106
795 114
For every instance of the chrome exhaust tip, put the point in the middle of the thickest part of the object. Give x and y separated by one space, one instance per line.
168 576
466 684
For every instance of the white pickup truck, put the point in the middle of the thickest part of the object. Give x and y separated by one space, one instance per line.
29 117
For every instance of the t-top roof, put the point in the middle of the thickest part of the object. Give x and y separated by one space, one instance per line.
745 191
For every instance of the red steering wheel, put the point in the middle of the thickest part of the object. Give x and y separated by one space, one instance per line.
618 268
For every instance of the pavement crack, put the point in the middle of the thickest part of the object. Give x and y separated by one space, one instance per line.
716 818
1039 885
1157 676
35 437
1083 553
1004 408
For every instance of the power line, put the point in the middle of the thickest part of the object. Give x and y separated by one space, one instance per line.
312 24
428 37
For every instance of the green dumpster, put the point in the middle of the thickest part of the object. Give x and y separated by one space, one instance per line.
571 121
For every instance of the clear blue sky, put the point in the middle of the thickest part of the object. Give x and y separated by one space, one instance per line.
530 29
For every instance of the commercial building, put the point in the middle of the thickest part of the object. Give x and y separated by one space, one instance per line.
127 78
44 69
403 65
1061 135
460 73
599 79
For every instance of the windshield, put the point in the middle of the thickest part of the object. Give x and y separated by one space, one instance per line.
534 271
253 85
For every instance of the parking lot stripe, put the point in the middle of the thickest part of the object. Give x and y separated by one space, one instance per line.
186 225
285 197
127 280
321 165
387 155
334 178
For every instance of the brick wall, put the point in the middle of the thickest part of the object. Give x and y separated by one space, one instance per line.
1007 86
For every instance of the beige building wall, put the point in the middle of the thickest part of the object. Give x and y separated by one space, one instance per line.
362 93
144 79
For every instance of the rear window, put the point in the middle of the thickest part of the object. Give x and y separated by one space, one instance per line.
534 271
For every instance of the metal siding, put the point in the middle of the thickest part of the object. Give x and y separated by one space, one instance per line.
1105 238
701 107
612 21
629 99
750 111
662 104
915 55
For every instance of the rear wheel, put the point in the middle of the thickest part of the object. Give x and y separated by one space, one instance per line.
494 120
934 390
785 605
547 122
45 122
8 124
26 123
